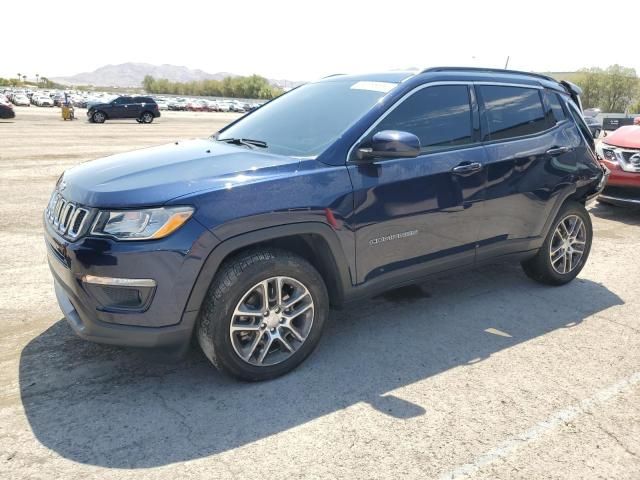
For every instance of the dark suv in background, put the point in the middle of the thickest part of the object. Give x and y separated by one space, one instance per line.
333 192
143 109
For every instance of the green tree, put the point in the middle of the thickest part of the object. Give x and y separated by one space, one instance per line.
612 90
254 86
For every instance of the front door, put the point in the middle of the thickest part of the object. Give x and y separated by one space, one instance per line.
421 214
119 107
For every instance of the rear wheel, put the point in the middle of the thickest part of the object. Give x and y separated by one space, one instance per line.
264 314
566 248
146 117
98 117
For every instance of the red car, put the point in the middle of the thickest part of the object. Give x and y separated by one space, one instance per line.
620 153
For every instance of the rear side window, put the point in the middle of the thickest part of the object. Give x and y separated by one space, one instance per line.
556 107
510 112
439 116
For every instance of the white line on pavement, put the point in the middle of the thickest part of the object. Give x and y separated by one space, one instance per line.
513 443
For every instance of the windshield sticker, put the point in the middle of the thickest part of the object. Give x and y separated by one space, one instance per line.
383 87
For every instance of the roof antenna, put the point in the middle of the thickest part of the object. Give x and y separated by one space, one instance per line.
507 63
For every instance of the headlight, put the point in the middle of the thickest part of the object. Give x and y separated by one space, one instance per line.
608 153
147 224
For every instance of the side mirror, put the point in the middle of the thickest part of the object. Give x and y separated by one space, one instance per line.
391 144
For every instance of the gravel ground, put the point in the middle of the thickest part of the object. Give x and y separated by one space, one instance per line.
483 374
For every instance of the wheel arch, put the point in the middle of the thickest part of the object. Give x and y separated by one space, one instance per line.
314 241
566 194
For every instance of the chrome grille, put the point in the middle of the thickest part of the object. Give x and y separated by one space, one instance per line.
632 157
66 217
625 157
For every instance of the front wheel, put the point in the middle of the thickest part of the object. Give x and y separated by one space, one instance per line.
98 117
565 251
264 314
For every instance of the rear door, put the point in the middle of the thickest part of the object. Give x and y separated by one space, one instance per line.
530 163
143 104
133 107
420 214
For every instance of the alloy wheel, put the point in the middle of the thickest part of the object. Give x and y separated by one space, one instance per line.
272 321
568 244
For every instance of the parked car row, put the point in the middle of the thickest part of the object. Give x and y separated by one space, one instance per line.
84 99
204 105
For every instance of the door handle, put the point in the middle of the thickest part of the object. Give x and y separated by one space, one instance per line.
466 168
556 151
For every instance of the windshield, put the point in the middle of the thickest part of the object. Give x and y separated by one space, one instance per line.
305 121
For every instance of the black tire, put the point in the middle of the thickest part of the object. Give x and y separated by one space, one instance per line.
98 117
146 117
235 278
540 268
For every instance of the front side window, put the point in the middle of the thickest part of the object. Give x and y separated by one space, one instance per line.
440 116
510 112
122 101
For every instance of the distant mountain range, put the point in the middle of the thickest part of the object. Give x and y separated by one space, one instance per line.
131 75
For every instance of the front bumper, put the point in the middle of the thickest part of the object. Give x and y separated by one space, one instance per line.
90 328
623 196
173 263
623 188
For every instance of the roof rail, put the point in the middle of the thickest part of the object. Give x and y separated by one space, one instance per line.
488 70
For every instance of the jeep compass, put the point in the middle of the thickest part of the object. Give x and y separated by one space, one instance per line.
335 191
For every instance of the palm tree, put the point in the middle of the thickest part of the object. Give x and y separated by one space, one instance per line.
38 78
24 78
19 76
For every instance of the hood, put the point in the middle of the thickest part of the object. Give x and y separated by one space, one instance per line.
153 176
624 137
94 104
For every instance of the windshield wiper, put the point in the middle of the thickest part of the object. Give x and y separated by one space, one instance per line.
244 141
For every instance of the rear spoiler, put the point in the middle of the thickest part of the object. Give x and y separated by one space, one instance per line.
574 91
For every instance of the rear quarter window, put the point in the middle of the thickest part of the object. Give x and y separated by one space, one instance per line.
557 112
510 112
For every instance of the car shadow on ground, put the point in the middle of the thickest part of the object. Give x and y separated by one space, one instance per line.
122 408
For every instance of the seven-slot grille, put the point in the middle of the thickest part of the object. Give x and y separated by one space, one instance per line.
66 217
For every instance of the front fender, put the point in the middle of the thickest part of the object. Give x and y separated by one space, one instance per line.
227 247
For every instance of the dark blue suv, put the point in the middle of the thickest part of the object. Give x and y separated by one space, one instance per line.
335 191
